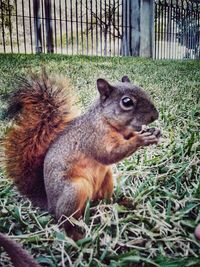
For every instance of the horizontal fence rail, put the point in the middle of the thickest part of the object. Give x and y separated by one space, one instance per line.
163 29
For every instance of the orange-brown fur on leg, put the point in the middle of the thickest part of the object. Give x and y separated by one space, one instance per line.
94 172
72 202
88 180
84 192
106 189
85 181
41 110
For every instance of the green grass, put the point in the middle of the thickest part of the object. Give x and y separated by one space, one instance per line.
162 182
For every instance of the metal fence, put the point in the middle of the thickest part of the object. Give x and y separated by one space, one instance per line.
64 26
177 29
98 27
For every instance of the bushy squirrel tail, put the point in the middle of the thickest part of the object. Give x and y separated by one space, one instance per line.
19 256
41 108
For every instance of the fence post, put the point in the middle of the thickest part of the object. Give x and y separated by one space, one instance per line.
135 27
125 38
37 26
146 28
49 31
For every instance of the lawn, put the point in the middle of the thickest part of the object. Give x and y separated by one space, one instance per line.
162 182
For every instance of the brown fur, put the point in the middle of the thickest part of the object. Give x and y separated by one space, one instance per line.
88 175
44 111
19 256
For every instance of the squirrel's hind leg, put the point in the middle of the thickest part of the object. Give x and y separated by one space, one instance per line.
73 199
72 202
107 186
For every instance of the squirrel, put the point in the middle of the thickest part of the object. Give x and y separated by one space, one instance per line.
19 256
58 159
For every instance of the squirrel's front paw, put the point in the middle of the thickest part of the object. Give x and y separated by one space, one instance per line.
155 131
149 136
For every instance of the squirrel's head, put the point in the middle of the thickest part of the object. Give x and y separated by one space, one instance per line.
125 105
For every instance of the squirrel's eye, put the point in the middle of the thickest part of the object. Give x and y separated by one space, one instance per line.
126 103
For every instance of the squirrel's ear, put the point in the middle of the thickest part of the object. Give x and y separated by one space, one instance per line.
104 88
125 79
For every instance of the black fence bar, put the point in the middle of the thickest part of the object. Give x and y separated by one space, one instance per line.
164 28
17 29
174 31
177 28
91 26
66 26
49 31
55 25
159 30
105 30
77 26
81 12
184 26
179 33
170 26
156 30
2 28
113 27
10 28
30 26
37 26
101 28
97 41
118 15
72 37
162 31
109 25
194 29
168 32
198 29
24 27
87 31
60 20
123 31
